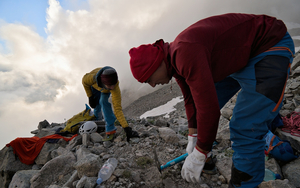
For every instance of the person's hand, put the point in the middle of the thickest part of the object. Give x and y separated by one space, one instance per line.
93 102
193 166
130 133
192 143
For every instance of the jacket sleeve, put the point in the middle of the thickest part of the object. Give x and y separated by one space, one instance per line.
87 83
188 102
88 80
193 64
116 100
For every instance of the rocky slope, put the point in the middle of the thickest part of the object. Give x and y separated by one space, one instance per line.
153 100
77 162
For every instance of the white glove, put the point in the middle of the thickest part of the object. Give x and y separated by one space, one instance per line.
193 166
192 143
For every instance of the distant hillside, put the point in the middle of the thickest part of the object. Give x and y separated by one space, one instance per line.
152 100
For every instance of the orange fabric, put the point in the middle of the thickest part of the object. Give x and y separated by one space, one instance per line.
280 48
271 143
111 132
27 149
281 97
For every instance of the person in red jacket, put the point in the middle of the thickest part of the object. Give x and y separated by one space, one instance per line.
211 61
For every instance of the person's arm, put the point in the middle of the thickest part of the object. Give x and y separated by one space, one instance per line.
193 64
87 83
188 103
117 105
116 100
190 113
88 80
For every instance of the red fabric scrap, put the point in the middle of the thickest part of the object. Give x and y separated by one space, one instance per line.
27 149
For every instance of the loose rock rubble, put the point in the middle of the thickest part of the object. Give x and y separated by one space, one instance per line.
75 164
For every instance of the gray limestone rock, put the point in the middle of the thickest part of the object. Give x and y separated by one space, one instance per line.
89 165
168 135
9 165
291 171
53 170
21 179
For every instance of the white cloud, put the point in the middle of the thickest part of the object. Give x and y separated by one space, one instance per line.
33 71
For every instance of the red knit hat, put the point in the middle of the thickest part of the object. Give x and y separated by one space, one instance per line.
145 60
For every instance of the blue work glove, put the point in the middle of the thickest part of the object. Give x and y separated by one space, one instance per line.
192 143
193 166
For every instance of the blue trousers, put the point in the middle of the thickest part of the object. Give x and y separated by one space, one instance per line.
105 107
262 83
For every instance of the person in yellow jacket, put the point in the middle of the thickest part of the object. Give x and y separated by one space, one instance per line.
99 84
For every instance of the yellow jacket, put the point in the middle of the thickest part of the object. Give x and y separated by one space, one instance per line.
89 79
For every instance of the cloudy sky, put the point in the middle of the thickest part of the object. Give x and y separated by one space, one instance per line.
47 46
